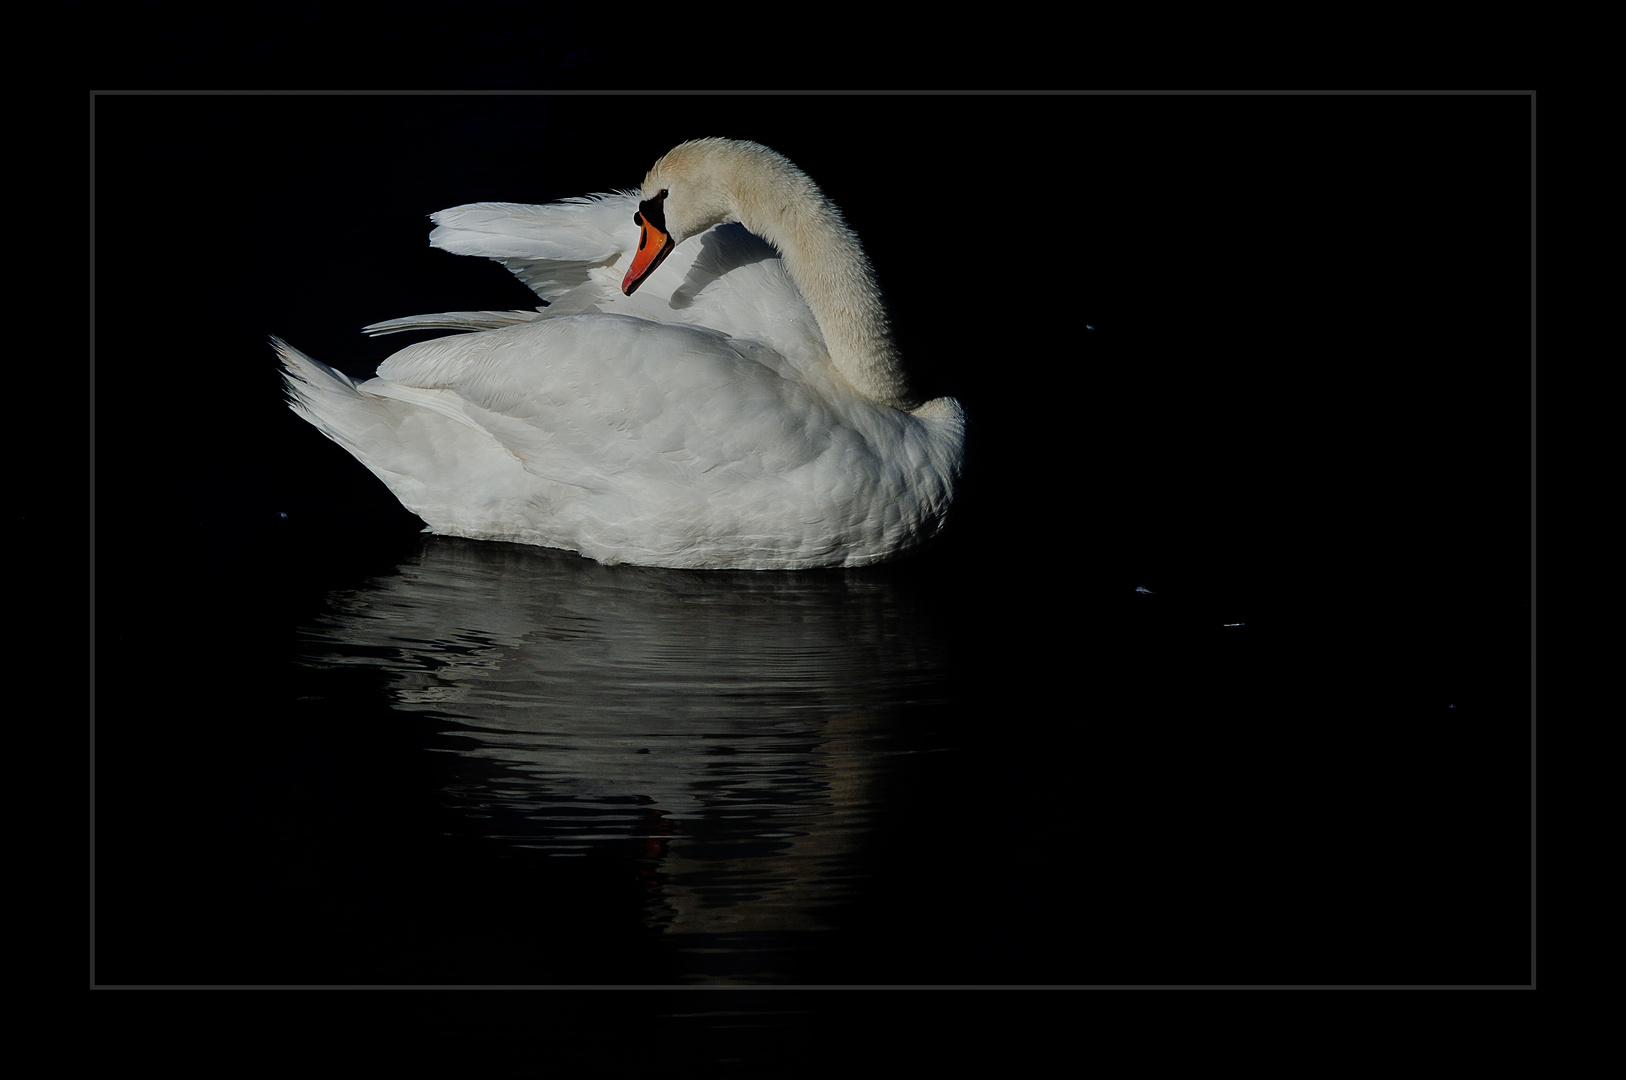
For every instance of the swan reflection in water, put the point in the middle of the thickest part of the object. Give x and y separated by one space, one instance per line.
723 730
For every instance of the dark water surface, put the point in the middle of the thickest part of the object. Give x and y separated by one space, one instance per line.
1221 675
493 764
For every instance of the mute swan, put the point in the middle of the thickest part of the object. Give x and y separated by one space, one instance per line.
717 388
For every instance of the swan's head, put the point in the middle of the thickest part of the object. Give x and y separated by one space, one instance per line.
688 191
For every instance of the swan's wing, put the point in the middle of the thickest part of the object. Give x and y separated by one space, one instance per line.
552 248
603 402
452 320
574 253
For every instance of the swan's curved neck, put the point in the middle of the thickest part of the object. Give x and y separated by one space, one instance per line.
778 202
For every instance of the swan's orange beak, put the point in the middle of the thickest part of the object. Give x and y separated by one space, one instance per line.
654 244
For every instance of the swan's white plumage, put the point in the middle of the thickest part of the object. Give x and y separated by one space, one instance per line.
700 422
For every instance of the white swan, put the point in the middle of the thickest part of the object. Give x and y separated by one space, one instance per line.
744 408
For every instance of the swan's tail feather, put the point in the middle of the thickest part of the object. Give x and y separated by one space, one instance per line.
331 400
453 320
311 386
